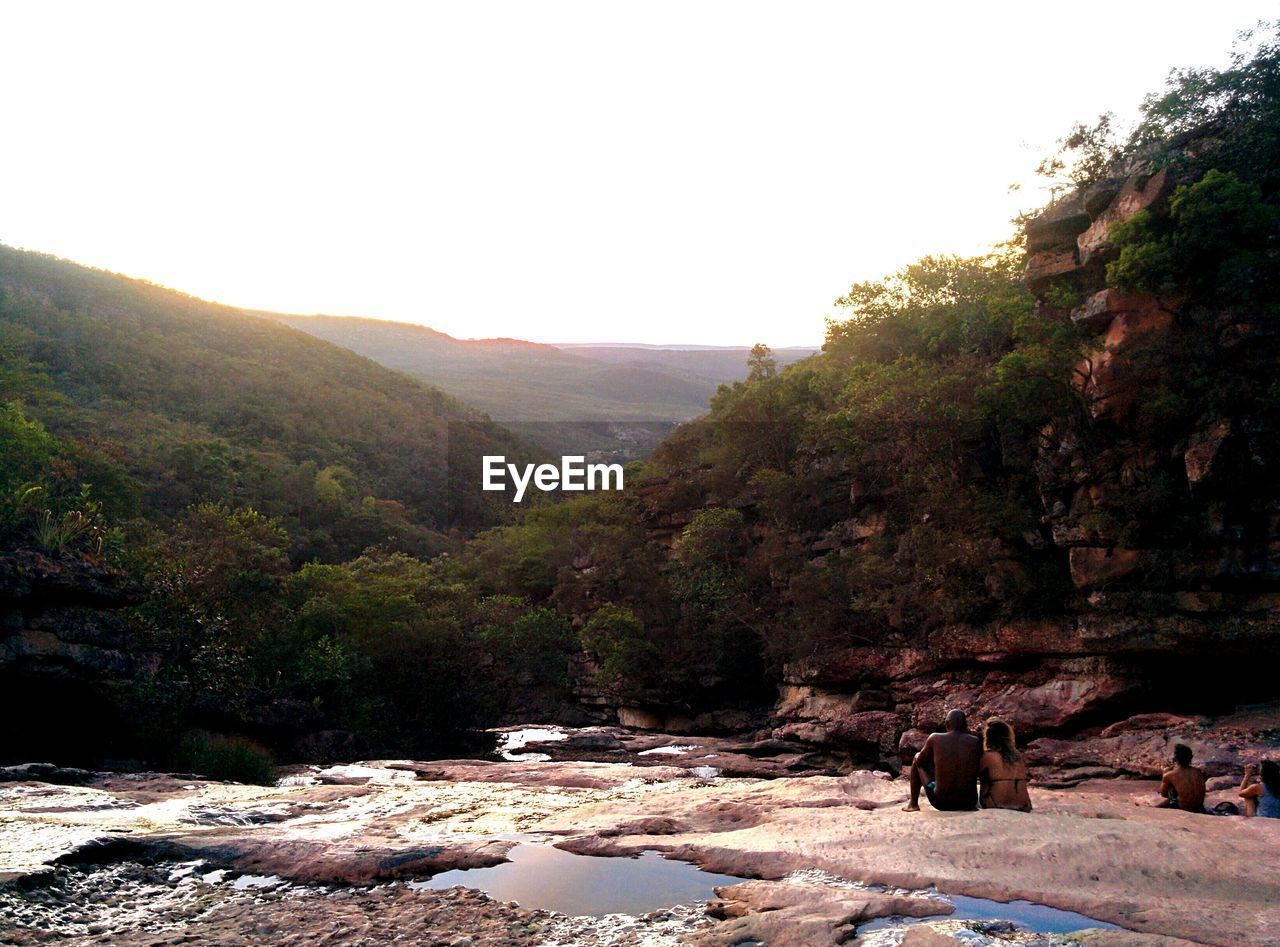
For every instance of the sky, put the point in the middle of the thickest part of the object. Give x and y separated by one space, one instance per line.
696 172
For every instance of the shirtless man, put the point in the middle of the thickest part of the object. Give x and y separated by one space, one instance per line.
947 768
1183 786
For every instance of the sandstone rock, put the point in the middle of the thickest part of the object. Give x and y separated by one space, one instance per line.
818 715
1108 378
1142 191
862 663
1055 231
1154 721
1067 691
910 743
1047 266
1099 195
1204 449
1093 566
1143 745
1098 310
795 914
639 718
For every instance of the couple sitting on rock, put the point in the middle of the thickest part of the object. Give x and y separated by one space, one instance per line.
957 771
1183 787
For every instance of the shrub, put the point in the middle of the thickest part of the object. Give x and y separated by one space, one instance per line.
628 657
233 758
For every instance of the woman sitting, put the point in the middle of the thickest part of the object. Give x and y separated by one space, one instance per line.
1262 798
1002 772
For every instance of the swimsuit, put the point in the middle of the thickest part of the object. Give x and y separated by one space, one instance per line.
986 796
947 804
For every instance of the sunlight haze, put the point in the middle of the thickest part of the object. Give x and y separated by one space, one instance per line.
711 173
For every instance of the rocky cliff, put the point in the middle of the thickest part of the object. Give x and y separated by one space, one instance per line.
64 645
1167 540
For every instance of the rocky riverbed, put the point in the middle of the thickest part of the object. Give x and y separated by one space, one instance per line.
339 854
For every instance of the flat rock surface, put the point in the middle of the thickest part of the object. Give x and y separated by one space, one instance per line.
349 832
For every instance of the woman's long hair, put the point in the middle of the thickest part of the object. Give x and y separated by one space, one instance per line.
1270 771
998 736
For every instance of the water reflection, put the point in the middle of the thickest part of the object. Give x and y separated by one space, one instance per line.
540 876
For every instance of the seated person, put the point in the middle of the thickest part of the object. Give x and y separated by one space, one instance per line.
1261 797
947 768
1002 772
1183 786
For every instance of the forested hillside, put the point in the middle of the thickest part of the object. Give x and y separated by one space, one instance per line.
165 400
1040 482
173 475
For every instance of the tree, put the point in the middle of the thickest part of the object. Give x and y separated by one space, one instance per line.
628 658
761 362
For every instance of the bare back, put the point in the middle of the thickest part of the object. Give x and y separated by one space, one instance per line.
1188 783
952 760
1004 784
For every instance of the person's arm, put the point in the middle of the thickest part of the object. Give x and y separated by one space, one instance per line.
1165 785
1248 788
984 779
925 757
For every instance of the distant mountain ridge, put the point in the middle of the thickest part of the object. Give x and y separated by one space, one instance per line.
584 398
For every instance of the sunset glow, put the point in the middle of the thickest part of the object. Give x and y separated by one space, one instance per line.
707 173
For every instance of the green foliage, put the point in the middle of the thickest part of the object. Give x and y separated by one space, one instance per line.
760 363
200 403
1219 244
57 535
27 451
1087 153
933 400
41 501
536 641
1240 103
381 643
232 758
628 658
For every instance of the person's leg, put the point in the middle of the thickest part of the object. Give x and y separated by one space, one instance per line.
933 797
948 803
918 776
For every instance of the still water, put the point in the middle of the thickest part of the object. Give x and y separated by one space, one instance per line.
540 876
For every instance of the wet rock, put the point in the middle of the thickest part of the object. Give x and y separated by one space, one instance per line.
789 914
48 773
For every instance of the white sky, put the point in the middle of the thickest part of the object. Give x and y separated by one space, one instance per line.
694 172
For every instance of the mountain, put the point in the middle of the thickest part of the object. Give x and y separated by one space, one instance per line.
1042 484
569 399
168 400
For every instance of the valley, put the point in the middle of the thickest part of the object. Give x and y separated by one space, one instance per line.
278 668
606 401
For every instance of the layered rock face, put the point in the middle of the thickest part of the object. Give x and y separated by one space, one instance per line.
1185 625
63 644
